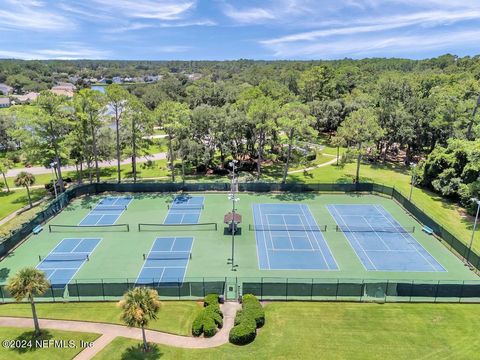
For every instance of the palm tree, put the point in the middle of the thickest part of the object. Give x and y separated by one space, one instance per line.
25 179
140 305
27 283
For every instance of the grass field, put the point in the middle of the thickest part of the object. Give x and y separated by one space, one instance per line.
51 353
341 331
175 317
17 199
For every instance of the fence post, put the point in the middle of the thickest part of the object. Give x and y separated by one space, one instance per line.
103 290
436 291
336 291
1 293
53 294
386 291
78 290
311 291
261 288
203 286
411 289
286 290
461 292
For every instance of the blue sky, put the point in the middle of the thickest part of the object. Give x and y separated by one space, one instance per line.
227 29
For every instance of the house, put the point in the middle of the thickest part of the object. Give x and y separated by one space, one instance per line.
102 81
194 76
117 80
4 102
25 99
64 89
5 89
66 86
73 78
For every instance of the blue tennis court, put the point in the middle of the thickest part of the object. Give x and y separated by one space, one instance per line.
185 210
379 241
166 261
63 262
288 238
107 211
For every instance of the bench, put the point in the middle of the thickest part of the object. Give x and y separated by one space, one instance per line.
37 229
428 230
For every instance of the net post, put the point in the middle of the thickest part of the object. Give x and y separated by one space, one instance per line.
39 258
128 228
138 226
49 228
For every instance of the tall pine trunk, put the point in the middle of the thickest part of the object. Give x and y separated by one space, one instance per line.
359 159
170 149
95 151
6 182
117 129
29 196
134 152
260 155
289 154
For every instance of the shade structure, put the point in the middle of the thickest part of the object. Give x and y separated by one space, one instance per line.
237 218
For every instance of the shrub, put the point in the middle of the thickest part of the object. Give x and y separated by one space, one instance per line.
215 308
252 308
209 326
209 312
243 333
210 299
197 326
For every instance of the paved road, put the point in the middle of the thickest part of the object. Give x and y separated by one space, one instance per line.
37 170
111 331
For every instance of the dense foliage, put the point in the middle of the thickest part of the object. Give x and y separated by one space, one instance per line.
247 320
256 111
209 318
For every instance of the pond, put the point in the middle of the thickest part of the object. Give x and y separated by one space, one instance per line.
100 88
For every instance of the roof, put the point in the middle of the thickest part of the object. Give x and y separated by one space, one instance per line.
62 91
4 101
31 96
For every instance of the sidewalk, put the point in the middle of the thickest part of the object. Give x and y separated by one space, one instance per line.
111 331
37 170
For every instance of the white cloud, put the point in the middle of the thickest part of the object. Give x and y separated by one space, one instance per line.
172 48
147 9
376 46
31 15
65 51
381 24
250 15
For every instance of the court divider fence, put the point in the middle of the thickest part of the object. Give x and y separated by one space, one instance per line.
270 289
446 237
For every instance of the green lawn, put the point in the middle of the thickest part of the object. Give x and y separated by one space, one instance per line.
341 331
14 200
175 317
37 353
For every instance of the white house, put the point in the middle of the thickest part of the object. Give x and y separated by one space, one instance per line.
4 102
5 89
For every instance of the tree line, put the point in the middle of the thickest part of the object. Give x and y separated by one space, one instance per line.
380 109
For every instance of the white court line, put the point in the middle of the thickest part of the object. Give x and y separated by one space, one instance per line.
265 236
411 237
355 239
321 237
373 230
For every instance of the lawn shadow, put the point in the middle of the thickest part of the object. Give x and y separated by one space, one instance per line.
294 196
29 336
136 353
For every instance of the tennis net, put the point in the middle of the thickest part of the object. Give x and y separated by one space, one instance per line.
185 207
106 208
380 229
304 228
178 227
89 228
64 257
168 255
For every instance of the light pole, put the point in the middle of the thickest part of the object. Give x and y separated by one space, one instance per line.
234 199
474 227
412 181
52 166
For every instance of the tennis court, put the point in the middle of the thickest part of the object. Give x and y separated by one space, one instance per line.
380 242
288 237
166 261
64 261
107 211
185 210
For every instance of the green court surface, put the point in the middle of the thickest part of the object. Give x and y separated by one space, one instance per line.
119 255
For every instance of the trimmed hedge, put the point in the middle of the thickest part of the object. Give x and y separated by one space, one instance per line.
243 333
247 320
210 299
209 318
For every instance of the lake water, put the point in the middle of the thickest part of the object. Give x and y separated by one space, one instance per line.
100 88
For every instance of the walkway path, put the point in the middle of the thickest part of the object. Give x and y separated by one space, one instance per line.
333 161
111 331
37 170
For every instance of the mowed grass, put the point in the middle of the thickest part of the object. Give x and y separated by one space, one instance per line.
175 317
447 213
48 353
15 200
341 331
